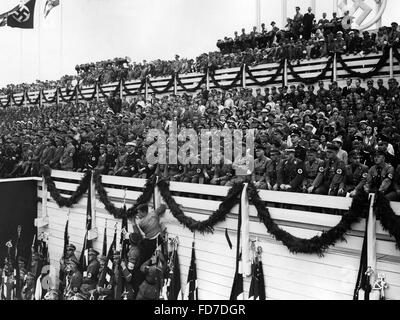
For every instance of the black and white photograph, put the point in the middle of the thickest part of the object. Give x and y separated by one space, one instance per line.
210 150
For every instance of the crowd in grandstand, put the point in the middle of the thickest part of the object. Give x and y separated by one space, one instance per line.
302 38
328 140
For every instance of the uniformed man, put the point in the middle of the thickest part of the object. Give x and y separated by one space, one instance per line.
271 170
380 176
69 254
104 286
131 165
356 174
67 159
258 177
58 153
48 152
91 275
102 162
111 158
311 166
74 278
298 144
223 173
291 172
331 177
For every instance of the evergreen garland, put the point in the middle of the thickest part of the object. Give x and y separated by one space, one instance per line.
381 63
271 80
388 219
318 244
229 86
162 91
194 89
55 193
119 213
311 80
219 215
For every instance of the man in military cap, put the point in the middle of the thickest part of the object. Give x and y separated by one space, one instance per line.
258 177
101 163
58 153
331 176
48 152
271 170
371 91
131 161
69 254
382 90
311 166
342 154
298 144
91 274
104 286
291 172
67 159
111 158
380 176
74 278
356 174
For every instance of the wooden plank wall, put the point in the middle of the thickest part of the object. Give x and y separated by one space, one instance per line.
287 276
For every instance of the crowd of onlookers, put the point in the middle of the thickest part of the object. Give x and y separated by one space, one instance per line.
294 124
302 38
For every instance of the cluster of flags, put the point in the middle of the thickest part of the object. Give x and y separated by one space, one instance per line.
22 16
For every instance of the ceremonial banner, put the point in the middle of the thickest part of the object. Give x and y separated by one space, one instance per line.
191 291
50 5
23 16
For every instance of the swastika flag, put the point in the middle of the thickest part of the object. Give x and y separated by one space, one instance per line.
23 16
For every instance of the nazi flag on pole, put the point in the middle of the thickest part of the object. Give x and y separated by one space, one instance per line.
23 16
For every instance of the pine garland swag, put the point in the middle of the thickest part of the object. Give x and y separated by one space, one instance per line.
206 226
55 193
318 244
388 219
119 213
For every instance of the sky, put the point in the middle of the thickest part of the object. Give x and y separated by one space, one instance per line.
81 31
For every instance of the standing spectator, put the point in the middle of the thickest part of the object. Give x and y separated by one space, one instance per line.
308 23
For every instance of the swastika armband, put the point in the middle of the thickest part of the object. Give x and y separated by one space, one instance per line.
321 169
300 171
339 171
365 175
390 176
198 170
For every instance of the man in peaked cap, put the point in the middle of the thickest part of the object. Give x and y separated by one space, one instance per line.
291 172
356 174
311 166
380 176
298 144
260 162
271 170
342 154
69 254
91 274
331 176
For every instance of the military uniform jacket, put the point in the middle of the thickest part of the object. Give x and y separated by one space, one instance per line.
92 273
259 168
58 153
67 159
76 281
47 155
356 176
91 158
332 173
131 162
312 168
380 178
291 172
271 172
